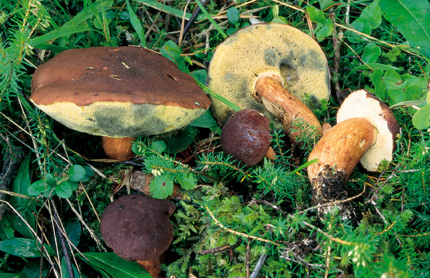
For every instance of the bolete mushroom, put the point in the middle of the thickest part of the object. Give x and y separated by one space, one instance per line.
118 93
365 132
137 228
246 136
271 68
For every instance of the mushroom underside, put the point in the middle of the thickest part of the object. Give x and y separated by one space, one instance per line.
267 49
118 119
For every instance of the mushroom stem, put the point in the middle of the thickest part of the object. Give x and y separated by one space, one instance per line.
338 152
118 148
286 107
152 266
271 154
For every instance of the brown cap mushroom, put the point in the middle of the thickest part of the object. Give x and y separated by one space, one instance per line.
246 136
137 228
117 92
366 132
272 66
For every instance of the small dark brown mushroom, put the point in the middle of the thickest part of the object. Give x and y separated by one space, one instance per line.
137 228
246 136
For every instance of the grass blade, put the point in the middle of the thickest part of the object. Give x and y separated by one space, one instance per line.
137 25
71 27
218 97
211 20
167 9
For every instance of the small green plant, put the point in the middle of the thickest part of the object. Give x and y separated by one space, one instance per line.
165 170
64 186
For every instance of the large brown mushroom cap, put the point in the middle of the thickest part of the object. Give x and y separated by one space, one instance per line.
274 49
117 92
362 104
138 227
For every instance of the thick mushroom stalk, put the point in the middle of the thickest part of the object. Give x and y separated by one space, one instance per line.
118 148
338 153
366 131
287 108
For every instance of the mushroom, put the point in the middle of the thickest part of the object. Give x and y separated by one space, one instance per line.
271 68
137 228
118 93
246 136
365 132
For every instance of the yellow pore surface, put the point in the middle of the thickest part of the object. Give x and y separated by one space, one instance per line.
274 49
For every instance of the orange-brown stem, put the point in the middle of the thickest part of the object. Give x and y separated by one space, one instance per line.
271 154
118 148
286 107
342 146
325 127
338 153
152 266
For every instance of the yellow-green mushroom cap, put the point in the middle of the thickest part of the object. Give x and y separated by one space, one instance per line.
266 49
117 92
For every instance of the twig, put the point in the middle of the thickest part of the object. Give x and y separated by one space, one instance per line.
336 56
186 28
62 242
348 8
32 136
248 250
270 205
335 202
41 246
91 202
386 223
327 264
92 234
48 256
217 249
11 162
376 190
259 265
338 240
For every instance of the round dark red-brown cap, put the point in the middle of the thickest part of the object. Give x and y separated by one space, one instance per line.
117 92
246 136
137 228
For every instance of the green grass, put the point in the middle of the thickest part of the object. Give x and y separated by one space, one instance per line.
230 217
